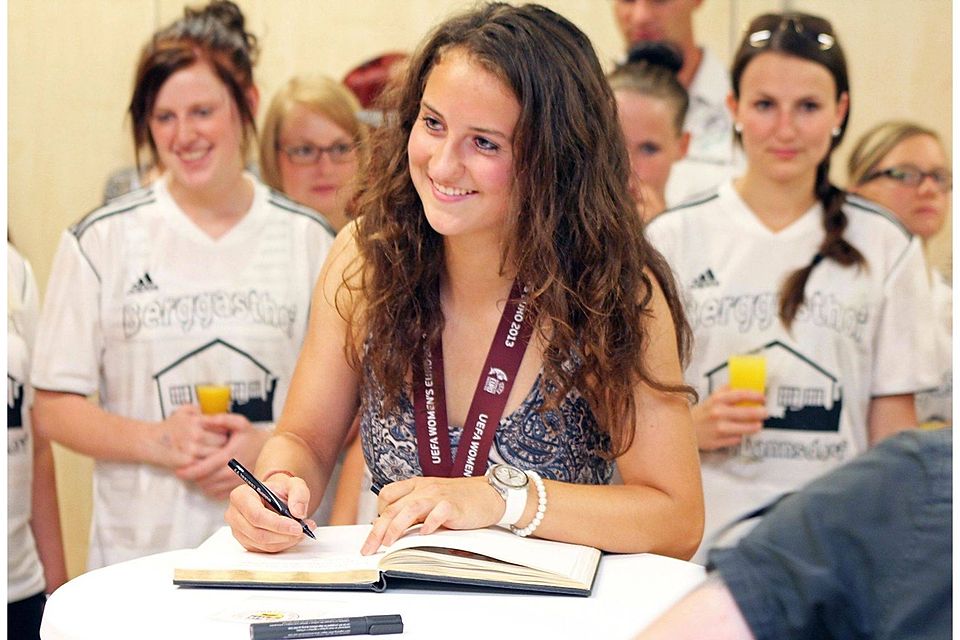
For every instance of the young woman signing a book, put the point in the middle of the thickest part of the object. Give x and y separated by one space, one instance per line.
497 278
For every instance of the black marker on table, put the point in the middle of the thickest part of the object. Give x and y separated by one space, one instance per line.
362 625
268 496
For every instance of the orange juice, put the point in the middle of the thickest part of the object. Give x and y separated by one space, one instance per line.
748 372
213 398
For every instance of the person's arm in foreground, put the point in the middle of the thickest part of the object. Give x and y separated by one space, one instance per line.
297 461
658 509
709 612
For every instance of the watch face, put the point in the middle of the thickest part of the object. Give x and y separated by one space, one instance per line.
510 476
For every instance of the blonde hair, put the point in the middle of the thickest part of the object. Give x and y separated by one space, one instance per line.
319 94
875 144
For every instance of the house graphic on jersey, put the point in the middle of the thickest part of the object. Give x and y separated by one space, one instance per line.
14 403
801 395
252 385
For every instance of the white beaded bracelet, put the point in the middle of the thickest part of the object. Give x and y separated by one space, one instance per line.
541 506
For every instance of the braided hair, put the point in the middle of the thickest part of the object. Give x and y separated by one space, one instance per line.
810 38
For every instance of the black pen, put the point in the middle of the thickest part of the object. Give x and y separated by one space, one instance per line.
268 496
362 625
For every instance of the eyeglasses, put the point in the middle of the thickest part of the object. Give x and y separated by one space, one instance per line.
761 38
910 175
339 152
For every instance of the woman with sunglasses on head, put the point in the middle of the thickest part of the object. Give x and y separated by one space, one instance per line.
312 145
203 277
780 263
903 167
496 268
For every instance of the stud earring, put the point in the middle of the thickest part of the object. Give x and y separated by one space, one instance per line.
738 127
836 132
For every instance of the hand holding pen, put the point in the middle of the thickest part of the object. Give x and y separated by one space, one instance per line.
269 497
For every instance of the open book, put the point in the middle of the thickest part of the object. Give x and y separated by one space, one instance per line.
488 557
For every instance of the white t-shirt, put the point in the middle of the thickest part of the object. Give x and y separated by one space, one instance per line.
935 407
141 306
24 571
713 156
862 333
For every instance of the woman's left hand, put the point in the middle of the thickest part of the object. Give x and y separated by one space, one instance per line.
454 503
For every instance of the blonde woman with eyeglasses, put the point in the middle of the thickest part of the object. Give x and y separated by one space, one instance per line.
311 148
826 287
903 167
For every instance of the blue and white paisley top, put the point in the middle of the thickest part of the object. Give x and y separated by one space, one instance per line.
563 444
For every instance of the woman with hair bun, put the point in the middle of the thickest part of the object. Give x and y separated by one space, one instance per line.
779 263
496 314
651 105
204 277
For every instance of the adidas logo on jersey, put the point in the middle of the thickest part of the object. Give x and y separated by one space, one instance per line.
705 279
144 283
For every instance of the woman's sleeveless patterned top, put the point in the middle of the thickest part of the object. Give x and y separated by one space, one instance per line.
562 444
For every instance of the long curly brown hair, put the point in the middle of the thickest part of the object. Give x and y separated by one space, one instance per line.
575 238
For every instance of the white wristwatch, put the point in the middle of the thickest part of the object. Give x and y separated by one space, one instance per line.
511 483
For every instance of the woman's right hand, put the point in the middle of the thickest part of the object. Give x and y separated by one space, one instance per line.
258 527
183 438
720 421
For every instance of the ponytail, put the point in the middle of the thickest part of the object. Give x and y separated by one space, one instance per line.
834 246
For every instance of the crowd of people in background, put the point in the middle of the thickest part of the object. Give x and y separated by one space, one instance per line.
370 244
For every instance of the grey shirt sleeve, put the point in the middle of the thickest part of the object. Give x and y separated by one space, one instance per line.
864 552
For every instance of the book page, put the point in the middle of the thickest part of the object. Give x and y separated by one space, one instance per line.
335 551
559 558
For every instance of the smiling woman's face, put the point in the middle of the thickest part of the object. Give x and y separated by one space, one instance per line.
461 148
197 130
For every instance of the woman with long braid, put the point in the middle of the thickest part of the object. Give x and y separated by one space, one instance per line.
827 287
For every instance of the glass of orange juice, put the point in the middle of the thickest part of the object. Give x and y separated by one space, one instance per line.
748 371
213 398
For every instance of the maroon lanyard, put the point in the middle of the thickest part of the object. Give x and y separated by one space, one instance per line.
489 398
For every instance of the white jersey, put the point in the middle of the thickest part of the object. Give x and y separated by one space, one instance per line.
862 333
24 571
713 156
141 306
935 407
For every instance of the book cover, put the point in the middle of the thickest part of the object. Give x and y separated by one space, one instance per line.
490 557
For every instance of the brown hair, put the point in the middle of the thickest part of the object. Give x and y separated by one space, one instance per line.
874 145
214 35
319 94
573 233
809 38
651 70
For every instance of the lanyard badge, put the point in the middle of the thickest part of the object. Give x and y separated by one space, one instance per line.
489 397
